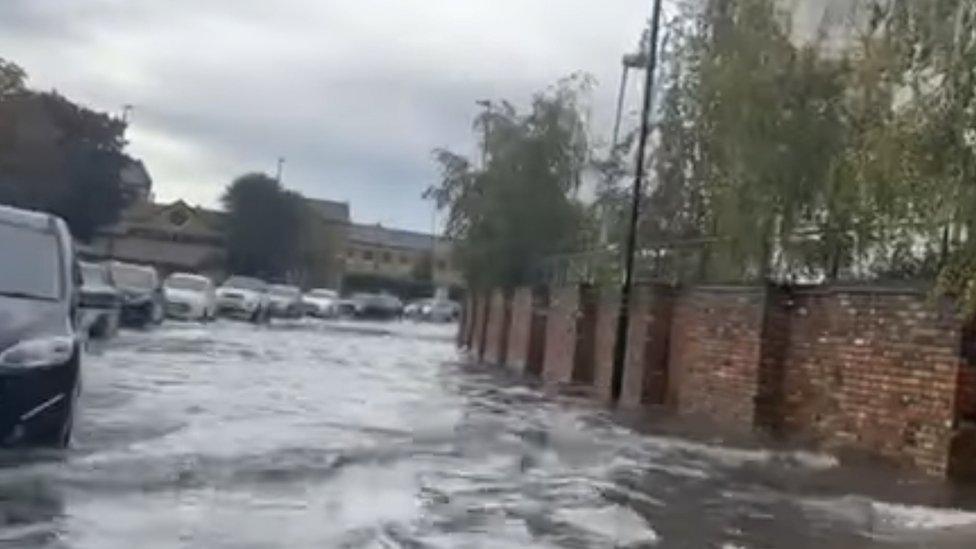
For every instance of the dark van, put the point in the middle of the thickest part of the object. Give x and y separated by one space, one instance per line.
40 350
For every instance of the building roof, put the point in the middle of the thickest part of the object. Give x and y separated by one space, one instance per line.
330 210
148 214
378 235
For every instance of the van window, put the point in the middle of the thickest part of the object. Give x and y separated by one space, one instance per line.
33 265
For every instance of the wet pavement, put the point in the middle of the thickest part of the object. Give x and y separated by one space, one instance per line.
377 435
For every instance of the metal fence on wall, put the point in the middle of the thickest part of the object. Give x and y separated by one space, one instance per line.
713 260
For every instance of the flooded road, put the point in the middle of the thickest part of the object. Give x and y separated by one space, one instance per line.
369 435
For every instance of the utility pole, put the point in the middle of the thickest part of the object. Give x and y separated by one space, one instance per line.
486 104
280 169
620 349
126 109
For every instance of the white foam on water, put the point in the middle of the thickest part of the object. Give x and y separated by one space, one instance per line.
878 518
910 517
734 457
622 526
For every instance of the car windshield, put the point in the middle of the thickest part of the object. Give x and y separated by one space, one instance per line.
93 274
246 283
285 291
187 282
32 267
133 276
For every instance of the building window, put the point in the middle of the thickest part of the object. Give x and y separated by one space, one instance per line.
387 257
442 265
351 254
368 255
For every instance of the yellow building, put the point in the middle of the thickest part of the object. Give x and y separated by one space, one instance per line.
399 254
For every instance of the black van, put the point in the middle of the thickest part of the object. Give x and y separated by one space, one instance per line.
40 348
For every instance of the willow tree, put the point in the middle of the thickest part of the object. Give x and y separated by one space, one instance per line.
933 47
518 208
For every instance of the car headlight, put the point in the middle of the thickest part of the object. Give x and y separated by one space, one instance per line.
47 351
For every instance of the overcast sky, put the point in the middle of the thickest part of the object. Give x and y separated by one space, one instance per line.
354 93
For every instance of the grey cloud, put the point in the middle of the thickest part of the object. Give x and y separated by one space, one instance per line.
354 93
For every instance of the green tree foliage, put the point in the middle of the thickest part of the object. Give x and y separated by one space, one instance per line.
517 209
13 79
57 156
851 155
265 228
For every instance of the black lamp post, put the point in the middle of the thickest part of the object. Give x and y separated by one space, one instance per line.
623 323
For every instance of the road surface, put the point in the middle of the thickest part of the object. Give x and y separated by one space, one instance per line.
311 434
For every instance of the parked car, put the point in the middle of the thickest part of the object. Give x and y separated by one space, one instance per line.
415 309
377 306
142 295
100 303
345 308
285 301
321 303
441 310
190 297
40 345
244 298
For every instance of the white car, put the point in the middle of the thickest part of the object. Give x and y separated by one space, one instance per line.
286 301
244 298
190 297
321 303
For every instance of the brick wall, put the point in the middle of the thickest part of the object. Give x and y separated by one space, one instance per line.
496 330
714 354
874 370
478 326
646 361
537 332
966 394
883 371
464 325
605 339
519 330
561 336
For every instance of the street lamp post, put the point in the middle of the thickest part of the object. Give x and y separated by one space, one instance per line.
280 169
623 323
485 104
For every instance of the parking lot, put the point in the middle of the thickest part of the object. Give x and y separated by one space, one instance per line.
366 434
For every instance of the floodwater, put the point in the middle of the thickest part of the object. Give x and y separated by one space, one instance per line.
369 435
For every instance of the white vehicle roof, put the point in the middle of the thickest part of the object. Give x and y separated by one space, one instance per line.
284 289
193 281
322 292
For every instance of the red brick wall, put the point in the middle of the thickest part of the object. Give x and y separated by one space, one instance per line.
496 331
874 370
537 332
715 352
478 325
519 330
646 361
464 326
607 316
966 394
561 337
